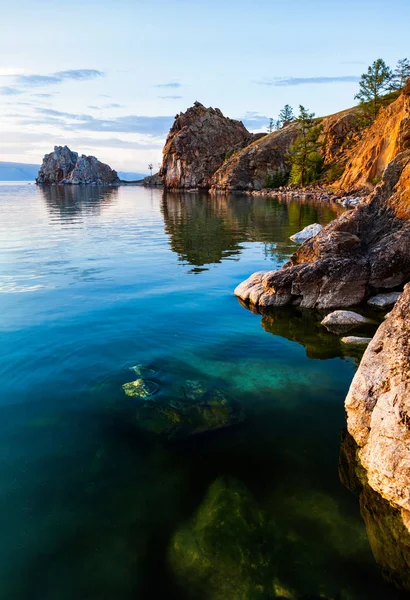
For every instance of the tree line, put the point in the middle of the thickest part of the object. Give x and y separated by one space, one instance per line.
378 87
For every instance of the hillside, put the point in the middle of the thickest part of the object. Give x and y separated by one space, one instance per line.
11 171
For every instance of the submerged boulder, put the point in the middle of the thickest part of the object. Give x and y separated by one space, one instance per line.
344 320
199 411
62 166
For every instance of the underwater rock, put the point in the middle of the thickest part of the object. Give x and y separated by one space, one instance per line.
197 412
306 233
140 388
388 535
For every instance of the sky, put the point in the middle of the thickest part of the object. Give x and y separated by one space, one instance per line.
108 78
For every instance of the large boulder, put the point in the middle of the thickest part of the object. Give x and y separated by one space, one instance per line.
197 145
378 409
62 166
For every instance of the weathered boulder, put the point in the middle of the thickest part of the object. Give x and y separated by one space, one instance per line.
384 300
306 233
197 145
378 409
344 318
153 180
62 166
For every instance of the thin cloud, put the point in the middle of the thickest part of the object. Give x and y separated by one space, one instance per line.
171 84
154 126
291 81
5 90
170 97
254 120
57 78
113 105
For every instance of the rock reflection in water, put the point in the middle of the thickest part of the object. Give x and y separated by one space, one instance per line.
206 229
388 536
65 201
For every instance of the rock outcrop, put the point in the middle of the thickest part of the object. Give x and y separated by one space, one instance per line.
378 409
66 167
252 167
363 252
197 145
381 143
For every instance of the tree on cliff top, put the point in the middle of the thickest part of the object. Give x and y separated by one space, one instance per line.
400 74
304 154
286 116
374 85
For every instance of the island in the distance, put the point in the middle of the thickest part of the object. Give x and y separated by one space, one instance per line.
64 167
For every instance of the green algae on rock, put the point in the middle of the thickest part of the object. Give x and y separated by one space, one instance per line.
180 419
140 388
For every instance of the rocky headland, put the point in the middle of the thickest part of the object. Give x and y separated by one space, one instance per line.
64 167
366 250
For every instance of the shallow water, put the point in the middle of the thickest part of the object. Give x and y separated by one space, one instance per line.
100 287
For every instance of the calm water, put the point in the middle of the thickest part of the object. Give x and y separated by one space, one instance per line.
98 500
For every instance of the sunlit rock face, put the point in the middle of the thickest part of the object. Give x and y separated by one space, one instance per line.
387 531
62 166
381 143
197 144
378 408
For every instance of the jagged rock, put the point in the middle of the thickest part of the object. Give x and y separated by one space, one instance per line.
306 233
378 409
198 143
365 250
344 318
65 167
354 340
384 300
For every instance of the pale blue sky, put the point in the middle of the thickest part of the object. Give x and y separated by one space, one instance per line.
107 77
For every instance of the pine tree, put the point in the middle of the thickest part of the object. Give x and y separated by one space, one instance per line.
304 154
286 116
271 125
374 85
401 74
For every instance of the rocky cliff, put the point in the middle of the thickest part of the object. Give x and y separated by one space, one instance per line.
197 145
251 167
364 251
66 167
381 143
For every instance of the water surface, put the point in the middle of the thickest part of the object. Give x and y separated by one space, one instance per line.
97 502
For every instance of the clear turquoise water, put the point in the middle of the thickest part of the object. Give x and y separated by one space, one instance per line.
95 506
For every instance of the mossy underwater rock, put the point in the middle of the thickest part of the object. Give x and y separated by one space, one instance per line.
140 388
189 416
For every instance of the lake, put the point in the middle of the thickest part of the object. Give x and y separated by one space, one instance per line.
214 477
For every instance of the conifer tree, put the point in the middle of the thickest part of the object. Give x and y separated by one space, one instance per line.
374 85
400 74
286 116
304 154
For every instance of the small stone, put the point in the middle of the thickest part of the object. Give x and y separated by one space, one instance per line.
356 341
344 317
307 233
384 300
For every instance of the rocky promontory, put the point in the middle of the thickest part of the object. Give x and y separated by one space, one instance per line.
62 166
200 140
363 252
